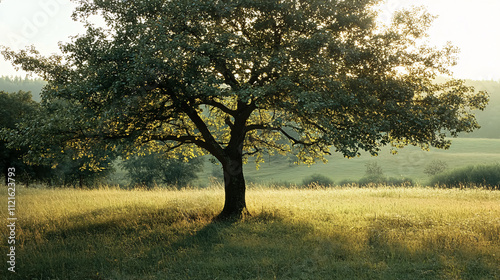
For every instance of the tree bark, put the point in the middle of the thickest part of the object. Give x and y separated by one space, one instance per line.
234 188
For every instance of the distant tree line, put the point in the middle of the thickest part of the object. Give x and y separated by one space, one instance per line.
16 83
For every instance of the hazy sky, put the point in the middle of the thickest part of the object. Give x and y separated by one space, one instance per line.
471 25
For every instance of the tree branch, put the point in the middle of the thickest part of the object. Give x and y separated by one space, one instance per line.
220 106
210 144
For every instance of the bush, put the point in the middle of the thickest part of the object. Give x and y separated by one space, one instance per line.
373 170
317 180
399 181
154 169
382 180
367 180
282 184
435 167
348 182
479 175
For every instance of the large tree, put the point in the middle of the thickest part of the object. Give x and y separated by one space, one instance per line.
238 78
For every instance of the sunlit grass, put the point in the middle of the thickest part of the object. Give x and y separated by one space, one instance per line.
337 233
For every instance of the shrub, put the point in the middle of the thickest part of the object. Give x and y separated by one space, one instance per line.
435 167
282 184
373 170
399 181
382 180
153 169
479 175
348 182
317 180
367 180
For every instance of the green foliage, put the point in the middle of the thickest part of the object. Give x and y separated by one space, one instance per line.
317 180
410 162
374 176
488 119
37 159
14 107
282 184
234 78
435 167
70 172
155 170
348 182
371 180
470 176
384 181
402 182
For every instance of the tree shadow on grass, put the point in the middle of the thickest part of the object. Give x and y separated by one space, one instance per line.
166 244
103 244
264 246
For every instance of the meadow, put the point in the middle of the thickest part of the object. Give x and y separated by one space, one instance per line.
331 233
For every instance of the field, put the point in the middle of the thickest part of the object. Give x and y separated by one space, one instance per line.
335 233
410 162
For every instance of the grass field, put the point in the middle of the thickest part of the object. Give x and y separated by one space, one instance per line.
336 233
410 162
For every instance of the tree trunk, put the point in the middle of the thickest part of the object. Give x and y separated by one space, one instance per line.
234 187
80 177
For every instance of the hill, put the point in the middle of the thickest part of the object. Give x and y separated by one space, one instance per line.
490 117
409 162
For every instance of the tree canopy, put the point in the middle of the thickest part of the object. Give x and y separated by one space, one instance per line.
239 78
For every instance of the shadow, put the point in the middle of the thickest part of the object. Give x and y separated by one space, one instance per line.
103 243
217 231
262 246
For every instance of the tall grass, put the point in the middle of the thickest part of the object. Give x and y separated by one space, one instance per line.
343 233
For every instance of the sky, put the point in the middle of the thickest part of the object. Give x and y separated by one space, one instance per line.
471 25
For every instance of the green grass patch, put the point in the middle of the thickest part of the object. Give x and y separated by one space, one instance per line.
330 233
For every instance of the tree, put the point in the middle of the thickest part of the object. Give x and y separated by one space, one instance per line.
14 107
435 167
153 169
373 170
234 77
69 169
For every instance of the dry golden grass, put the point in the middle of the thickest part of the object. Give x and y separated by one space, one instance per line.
335 233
